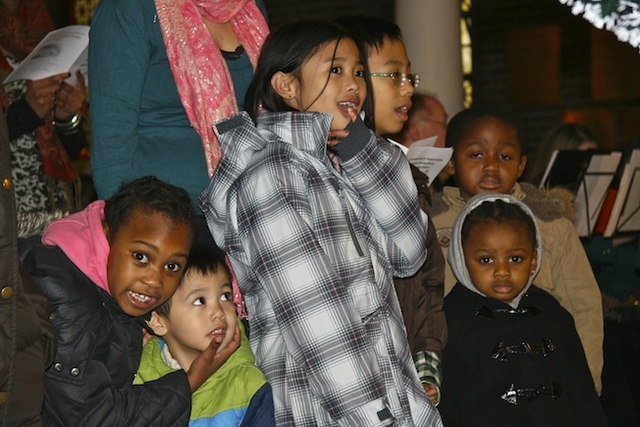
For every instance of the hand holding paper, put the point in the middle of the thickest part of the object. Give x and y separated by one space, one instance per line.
429 159
70 99
41 94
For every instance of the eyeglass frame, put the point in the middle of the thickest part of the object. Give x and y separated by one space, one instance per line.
403 78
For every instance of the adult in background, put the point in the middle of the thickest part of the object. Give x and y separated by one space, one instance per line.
162 73
565 136
427 118
44 120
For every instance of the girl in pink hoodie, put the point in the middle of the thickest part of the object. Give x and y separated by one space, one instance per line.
102 270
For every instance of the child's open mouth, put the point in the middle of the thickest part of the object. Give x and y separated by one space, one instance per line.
346 107
217 332
141 300
347 104
403 112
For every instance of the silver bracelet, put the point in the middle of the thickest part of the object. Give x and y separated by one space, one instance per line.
68 125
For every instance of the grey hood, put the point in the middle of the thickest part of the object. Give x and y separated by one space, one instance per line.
456 255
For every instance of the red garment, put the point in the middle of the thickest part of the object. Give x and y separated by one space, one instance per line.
20 33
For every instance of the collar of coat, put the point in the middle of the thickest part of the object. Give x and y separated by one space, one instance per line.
547 204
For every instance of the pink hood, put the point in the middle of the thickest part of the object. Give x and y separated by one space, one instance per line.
82 239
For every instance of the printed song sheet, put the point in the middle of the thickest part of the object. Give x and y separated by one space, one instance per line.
429 159
60 51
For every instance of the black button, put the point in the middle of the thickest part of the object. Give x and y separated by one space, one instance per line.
384 414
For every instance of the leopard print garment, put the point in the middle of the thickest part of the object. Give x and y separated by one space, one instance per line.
35 193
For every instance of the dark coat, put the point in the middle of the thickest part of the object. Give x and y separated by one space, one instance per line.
27 339
421 296
474 381
99 349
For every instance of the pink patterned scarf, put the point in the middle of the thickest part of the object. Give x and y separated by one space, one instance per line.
201 74
203 80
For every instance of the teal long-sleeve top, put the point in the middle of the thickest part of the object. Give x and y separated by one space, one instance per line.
139 126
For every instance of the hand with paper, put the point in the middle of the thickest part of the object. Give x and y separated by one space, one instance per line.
42 99
428 158
41 94
53 94
588 174
70 99
60 51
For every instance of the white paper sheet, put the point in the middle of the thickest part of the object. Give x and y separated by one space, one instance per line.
429 159
60 51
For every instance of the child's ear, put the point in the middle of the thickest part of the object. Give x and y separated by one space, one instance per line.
286 85
534 262
105 228
449 168
523 163
158 324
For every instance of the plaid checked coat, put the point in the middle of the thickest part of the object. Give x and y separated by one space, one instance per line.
315 250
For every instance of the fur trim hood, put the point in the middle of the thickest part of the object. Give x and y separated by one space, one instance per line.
547 204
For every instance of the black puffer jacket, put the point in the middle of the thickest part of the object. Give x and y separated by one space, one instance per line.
27 339
99 349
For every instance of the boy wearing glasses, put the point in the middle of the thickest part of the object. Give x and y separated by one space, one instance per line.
421 295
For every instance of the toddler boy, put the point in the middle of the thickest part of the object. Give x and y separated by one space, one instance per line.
202 310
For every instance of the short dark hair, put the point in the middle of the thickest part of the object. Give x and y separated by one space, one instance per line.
148 195
369 31
286 50
498 212
461 122
204 259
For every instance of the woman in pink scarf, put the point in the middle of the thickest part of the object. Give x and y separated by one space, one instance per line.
161 73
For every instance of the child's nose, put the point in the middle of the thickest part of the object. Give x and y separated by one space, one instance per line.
407 89
152 277
502 270
491 163
217 312
353 84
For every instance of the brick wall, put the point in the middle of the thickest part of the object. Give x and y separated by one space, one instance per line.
493 20
284 11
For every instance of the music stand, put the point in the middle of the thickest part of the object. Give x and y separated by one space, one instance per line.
588 174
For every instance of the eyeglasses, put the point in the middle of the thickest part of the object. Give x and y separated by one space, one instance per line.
399 79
